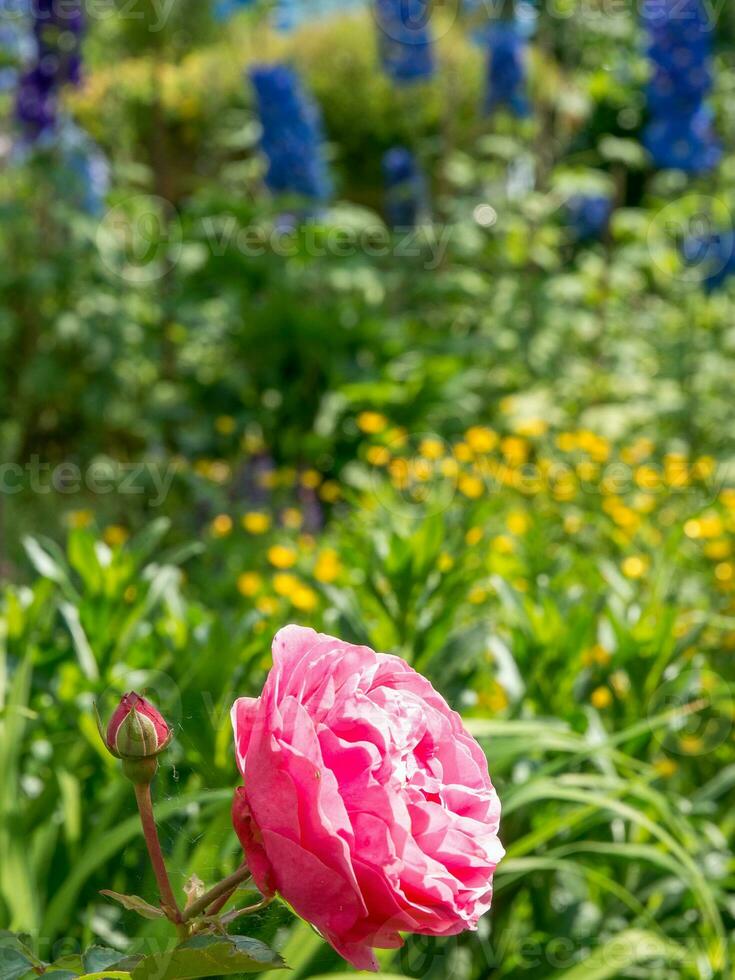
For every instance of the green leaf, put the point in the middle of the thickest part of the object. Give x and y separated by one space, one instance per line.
97 959
628 948
85 656
209 956
13 963
134 903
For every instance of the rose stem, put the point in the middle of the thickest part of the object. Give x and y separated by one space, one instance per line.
145 807
224 887
220 903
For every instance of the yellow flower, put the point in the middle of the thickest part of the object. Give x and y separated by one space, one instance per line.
471 486
518 522
328 566
130 594
431 448
222 526
503 544
449 468
567 442
635 566
601 698
480 439
248 584
515 450
330 491
80 519
311 479
495 700
691 744
724 571
445 562
372 422
596 655
281 556
378 456
532 428
292 518
256 522
718 550
477 595
462 452
626 518
647 478
267 604
666 768
115 535
400 473
225 425
397 437
587 470
710 525
285 584
474 536
637 451
704 467
644 503
305 599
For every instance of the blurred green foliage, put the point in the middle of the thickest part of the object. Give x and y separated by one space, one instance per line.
498 453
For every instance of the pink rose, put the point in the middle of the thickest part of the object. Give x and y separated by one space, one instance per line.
137 729
366 804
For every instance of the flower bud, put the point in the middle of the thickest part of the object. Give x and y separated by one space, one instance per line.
137 730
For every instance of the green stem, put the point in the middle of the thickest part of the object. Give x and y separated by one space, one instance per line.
145 808
222 888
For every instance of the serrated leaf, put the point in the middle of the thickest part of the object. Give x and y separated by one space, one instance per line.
97 959
209 956
134 903
13 964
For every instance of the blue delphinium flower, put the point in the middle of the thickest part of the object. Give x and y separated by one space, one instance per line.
224 9
506 69
405 197
713 256
589 216
680 133
292 138
404 39
58 28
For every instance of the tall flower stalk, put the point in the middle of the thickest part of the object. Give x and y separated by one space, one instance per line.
404 39
292 138
58 30
680 133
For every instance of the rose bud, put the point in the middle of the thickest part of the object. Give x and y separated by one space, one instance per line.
367 805
137 733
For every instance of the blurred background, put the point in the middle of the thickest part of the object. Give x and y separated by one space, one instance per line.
413 322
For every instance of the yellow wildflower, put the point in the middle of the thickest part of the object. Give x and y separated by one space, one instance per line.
372 422
255 522
281 556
